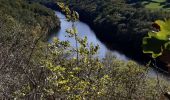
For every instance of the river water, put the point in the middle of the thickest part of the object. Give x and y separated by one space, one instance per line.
85 30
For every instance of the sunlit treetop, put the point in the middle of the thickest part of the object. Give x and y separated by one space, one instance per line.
70 15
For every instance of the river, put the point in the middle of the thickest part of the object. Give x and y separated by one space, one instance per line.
85 30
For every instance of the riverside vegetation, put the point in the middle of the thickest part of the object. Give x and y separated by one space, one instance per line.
33 69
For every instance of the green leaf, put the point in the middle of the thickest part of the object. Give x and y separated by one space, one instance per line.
153 46
156 42
167 45
75 30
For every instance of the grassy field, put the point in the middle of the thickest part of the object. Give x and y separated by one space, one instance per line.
156 4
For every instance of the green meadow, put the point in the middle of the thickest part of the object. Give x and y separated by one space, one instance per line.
156 4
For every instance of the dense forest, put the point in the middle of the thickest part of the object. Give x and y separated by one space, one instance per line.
33 69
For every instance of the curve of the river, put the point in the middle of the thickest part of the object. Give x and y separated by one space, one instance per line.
84 30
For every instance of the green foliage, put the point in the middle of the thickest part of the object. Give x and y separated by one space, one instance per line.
156 42
28 15
70 15
34 70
